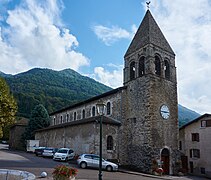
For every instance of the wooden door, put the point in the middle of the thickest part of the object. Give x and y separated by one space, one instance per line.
191 167
165 159
165 165
184 160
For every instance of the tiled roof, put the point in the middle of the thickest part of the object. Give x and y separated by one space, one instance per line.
148 33
106 120
113 91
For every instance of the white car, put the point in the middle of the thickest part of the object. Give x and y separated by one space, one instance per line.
64 154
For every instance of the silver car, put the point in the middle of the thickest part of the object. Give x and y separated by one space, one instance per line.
92 160
49 152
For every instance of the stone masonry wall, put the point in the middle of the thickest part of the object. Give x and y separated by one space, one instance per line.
144 130
83 138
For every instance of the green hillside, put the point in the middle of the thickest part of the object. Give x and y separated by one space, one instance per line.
59 89
53 89
186 115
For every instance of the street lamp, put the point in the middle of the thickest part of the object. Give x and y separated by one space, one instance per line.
100 110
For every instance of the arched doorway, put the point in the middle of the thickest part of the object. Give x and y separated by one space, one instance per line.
165 159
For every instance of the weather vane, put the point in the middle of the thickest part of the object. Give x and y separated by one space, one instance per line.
148 3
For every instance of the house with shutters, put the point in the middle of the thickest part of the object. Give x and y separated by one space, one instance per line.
195 144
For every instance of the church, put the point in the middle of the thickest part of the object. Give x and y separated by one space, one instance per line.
140 123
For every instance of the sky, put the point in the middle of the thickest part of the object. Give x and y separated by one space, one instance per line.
92 36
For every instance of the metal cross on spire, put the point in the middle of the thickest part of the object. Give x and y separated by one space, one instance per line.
148 3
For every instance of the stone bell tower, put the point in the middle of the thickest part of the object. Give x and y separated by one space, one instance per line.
150 125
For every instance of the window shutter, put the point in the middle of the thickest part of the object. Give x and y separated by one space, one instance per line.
208 124
192 135
197 137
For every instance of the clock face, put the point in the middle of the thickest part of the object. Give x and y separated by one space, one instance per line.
164 111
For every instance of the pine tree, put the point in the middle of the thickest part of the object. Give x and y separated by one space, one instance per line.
8 106
39 119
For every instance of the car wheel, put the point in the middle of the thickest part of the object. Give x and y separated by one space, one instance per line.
66 159
83 165
109 168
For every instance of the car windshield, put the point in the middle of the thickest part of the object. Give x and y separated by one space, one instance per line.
62 151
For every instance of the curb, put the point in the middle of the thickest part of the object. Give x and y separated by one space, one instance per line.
147 175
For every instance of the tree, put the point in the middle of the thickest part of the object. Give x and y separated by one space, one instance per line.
39 119
8 106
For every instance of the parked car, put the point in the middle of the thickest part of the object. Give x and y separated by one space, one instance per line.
38 151
49 152
64 154
92 160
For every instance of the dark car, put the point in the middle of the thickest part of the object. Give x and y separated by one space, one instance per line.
38 151
4 142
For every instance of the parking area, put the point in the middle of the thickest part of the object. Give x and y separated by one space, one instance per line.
19 160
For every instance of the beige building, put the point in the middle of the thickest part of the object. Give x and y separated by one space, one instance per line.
195 143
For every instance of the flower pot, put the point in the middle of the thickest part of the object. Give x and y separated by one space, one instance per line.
64 172
63 178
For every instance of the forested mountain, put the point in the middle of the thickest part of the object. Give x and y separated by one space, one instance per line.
53 89
59 89
4 75
186 115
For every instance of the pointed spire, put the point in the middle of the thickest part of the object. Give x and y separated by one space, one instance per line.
148 33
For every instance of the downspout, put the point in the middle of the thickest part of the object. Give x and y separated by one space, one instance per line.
119 127
64 136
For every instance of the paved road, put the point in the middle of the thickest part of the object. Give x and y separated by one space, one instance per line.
29 162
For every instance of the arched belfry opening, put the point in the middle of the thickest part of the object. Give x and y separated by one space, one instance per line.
167 69
157 65
165 158
132 70
142 66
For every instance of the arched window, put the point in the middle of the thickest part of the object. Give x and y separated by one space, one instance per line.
132 70
110 143
108 107
142 66
167 69
83 114
93 111
157 66
67 118
61 118
74 116
54 121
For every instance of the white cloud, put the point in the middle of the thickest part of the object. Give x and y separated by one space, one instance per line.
111 78
186 25
36 37
109 35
